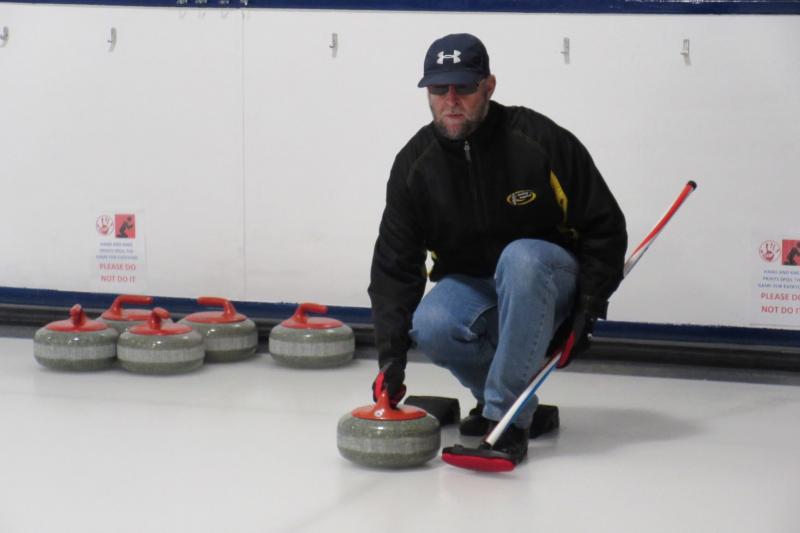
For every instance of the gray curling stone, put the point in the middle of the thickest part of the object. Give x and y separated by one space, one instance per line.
312 342
382 436
228 335
121 319
160 346
75 344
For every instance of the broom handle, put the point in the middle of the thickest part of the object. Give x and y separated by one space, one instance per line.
538 379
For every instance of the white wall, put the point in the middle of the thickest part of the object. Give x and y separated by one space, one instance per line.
260 160
154 125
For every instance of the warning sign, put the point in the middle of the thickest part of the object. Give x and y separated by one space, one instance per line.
776 287
119 262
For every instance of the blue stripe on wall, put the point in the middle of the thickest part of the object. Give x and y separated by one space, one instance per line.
360 315
655 7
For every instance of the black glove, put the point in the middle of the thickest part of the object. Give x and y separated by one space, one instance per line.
394 374
582 324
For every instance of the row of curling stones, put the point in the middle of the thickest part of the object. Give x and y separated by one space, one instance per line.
146 341
300 341
386 436
312 342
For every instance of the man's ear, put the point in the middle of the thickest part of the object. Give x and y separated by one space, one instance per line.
491 82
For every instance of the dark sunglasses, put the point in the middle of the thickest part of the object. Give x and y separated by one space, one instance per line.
461 90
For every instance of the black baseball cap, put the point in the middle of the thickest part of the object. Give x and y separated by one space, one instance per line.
455 59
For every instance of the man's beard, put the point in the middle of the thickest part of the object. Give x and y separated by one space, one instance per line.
467 127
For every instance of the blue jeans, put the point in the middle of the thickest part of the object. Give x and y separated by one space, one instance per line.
493 333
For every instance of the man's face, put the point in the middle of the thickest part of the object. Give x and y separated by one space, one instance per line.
457 115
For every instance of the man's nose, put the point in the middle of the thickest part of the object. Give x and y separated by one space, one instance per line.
451 95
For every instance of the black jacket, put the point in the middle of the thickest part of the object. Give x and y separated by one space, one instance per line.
519 175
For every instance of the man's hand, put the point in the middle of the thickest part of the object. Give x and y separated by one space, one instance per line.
582 329
393 377
583 321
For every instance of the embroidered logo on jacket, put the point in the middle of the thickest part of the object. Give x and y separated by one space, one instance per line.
518 198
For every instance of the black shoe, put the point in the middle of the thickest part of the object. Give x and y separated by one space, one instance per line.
474 425
514 443
545 420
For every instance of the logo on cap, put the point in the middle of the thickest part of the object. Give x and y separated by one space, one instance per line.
455 56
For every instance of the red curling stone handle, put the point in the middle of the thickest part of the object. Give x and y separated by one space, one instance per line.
307 307
228 311
157 316
116 307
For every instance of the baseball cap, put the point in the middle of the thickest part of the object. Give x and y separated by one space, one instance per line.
455 59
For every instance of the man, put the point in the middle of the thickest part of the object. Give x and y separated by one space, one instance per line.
523 232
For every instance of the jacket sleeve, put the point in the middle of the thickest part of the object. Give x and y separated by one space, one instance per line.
397 276
598 222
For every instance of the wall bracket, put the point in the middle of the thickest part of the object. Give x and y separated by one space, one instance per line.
565 50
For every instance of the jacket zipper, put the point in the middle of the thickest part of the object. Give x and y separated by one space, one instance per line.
480 206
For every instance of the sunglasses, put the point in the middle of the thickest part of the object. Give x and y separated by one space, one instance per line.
461 90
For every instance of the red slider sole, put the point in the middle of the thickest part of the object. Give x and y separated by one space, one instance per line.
481 460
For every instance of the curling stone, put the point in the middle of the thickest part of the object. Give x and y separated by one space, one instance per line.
160 347
311 342
383 436
75 344
228 335
121 319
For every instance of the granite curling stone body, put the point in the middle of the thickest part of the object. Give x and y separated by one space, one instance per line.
382 436
75 344
121 319
228 336
160 346
311 342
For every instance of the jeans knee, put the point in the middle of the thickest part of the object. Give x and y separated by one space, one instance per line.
523 261
525 258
